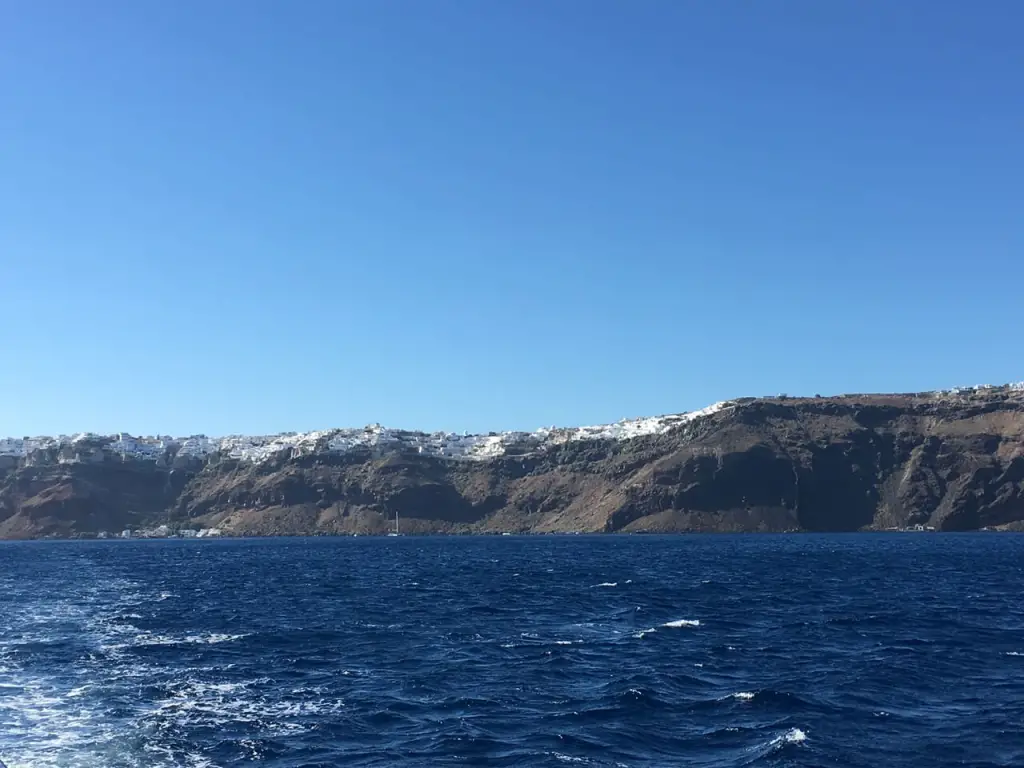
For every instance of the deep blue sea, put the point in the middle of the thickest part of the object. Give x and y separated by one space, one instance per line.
714 651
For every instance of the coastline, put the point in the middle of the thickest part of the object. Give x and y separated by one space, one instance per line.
948 461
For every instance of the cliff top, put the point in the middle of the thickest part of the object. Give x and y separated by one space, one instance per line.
257 448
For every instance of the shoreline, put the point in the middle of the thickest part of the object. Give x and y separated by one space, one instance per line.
538 535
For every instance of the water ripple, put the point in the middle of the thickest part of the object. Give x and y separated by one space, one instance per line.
599 651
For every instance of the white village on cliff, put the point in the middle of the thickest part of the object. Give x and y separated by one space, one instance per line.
378 439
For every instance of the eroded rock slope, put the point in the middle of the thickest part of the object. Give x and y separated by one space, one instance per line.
952 461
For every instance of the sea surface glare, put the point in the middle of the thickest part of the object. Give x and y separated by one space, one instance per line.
710 651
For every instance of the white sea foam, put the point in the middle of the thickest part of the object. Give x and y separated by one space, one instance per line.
196 703
66 718
56 724
792 736
606 584
643 632
53 718
678 623
1014 653
742 695
143 640
211 639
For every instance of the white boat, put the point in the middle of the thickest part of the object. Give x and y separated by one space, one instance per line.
395 532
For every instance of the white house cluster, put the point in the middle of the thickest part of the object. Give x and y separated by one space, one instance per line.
450 445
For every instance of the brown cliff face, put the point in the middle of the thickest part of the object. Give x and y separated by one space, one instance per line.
953 462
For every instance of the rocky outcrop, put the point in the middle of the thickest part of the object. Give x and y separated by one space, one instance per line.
952 461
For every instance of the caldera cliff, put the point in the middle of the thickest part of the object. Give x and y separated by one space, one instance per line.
948 460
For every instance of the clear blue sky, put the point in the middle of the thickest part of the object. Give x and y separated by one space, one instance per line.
256 215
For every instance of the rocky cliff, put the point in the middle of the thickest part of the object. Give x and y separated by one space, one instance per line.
952 461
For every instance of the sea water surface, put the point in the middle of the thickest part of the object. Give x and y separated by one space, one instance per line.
713 651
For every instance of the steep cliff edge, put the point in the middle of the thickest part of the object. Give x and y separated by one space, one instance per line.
952 461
